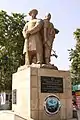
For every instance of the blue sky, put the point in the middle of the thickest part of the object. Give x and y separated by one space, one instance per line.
65 17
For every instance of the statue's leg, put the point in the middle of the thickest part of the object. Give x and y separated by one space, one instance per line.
27 62
47 55
33 58
39 57
39 50
28 57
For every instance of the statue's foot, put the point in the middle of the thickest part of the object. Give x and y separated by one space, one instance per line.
38 62
49 66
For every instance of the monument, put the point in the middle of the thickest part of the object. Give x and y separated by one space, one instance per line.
39 90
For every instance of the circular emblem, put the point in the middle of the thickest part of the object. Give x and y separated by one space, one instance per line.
52 104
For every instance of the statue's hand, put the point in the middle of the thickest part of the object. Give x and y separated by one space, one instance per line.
46 45
27 35
27 32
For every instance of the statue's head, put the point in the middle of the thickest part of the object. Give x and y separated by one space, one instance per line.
33 13
48 16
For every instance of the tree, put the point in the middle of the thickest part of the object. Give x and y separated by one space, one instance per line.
75 59
11 46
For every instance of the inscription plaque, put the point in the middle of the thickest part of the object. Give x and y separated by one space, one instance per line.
51 84
14 96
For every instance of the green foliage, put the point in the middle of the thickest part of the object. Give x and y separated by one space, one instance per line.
75 59
11 46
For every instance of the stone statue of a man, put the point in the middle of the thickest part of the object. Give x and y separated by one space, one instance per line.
49 35
33 47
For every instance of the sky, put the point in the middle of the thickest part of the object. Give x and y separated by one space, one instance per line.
65 17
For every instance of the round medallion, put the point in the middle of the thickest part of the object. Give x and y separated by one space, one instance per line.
52 104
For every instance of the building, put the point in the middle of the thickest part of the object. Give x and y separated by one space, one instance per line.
5 100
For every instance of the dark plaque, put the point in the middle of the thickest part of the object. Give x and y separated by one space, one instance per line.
14 96
51 84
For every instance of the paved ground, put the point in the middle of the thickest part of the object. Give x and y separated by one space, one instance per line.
78 112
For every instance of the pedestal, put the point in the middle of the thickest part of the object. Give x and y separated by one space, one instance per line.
28 99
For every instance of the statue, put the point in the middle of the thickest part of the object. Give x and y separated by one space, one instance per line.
39 36
33 47
49 35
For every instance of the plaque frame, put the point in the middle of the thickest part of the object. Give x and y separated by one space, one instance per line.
51 84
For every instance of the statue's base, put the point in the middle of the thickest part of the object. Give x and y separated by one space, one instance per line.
29 95
49 66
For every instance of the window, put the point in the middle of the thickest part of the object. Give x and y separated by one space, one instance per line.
7 97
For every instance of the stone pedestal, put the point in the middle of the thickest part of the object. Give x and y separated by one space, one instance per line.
29 100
